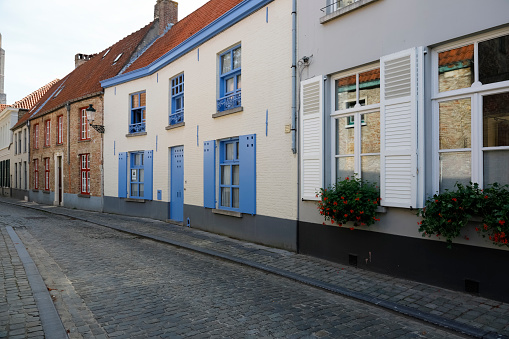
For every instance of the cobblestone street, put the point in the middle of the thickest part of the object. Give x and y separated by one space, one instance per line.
109 284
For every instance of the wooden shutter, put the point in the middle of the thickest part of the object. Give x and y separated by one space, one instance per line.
148 167
209 174
247 173
122 175
399 128
311 137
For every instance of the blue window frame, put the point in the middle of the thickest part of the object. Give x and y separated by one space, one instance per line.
138 112
230 79
177 100
229 174
137 175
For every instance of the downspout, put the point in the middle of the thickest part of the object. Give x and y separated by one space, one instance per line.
294 114
68 106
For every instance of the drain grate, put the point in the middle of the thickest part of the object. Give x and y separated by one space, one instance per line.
471 286
352 260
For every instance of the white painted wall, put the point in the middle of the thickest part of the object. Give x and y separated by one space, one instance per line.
266 85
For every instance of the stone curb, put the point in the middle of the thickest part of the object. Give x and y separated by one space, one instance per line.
388 305
50 320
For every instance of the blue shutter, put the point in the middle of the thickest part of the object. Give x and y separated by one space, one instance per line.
122 175
209 174
148 166
247 158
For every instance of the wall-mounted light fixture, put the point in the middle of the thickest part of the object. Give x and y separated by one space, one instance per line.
91 116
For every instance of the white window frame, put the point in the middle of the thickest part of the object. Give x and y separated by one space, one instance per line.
476 92
356 111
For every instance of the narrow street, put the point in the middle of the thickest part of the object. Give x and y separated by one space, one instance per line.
107 284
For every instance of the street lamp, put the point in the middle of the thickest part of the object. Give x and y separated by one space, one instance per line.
91 116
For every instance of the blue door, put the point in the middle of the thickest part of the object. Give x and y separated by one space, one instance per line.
177 184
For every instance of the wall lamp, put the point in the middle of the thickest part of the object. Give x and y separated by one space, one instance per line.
91 116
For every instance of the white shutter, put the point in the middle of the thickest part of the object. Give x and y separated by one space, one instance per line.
311 137
399 128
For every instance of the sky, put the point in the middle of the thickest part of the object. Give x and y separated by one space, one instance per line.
41 38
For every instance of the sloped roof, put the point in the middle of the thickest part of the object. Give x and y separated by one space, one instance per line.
183 30
85 79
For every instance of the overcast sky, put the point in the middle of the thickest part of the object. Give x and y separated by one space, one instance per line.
41 37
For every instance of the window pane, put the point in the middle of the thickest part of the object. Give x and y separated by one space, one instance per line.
141 176
239 82
454 167
344 167
226 63
229 151
369 87
496 120
495 167
135 101
236 58
143 99
235 175
134 190
456 68
225 196
142 190
230 85
370 133
371 168
455 124
226 178
344 137
235 197
346 92
494 60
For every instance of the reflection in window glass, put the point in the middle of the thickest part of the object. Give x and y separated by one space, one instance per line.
236 58
494 60
495 167
369 87
456 68
455 123
135 101
226 63
454 167
225 196
344 137
225 175
370 168
370 133
344 168
346 92
496 120
143 99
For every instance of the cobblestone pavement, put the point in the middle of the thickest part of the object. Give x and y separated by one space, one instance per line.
108 284
19 317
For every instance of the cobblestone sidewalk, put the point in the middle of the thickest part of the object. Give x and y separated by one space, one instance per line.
475 316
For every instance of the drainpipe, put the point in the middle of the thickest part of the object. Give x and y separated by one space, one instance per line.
294 75
68 106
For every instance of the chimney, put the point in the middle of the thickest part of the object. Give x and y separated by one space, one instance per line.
167 13
22 112
80 59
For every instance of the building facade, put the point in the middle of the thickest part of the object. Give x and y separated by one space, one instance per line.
415 108
224 163
8 118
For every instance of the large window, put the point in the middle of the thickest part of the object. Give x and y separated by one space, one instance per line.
46 174
137 181
47 133
177 100
36 136
356 121
471 110
85 173
25 141
84 126
60 138
36 174
230 79
229 174
138 112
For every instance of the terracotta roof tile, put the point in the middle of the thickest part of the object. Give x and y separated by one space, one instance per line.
30 100
454 55
2 107
183 30
368 76
85 79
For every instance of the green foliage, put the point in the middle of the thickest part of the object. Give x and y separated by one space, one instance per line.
445 214
350 200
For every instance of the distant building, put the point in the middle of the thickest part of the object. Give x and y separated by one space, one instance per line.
3 98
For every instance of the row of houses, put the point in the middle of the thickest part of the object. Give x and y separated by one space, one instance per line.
232 118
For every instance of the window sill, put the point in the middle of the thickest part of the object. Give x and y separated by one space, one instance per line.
227 112
84 195
62 144
35 190
47 146
46 192
180 124
347 9
134 200
228 213
84 140
135 134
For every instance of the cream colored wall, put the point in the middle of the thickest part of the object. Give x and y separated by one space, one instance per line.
266 85
8 118
20 157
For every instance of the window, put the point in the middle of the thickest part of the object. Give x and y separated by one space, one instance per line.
137 189
47 133
237 174
230 79
357 125
138 112
135 173
16 175
19 174
25 140
25 175
85 173
19 142
46 174
36 136
36 174
15 145
471 112
60 120
84 125
177 100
